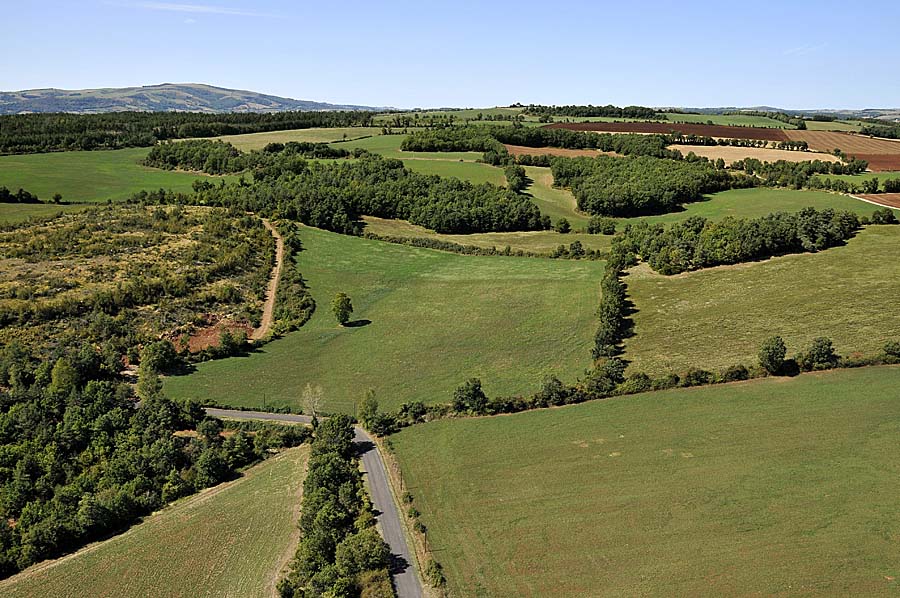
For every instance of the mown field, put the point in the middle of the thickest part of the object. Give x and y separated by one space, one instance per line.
544 241
778 487
737 120
718 317
230 540
838 125
252 141
429 320
90 176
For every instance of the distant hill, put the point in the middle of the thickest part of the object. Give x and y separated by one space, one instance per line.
168 97
881 113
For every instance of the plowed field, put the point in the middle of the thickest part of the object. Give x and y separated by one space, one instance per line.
890 200
687 129
827 141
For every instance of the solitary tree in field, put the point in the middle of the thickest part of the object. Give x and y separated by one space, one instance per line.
342 308
771 354
312 399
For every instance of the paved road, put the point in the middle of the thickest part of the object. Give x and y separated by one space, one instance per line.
406 580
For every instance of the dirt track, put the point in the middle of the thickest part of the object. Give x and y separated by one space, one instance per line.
272 290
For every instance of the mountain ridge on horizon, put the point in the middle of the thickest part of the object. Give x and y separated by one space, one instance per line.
163 97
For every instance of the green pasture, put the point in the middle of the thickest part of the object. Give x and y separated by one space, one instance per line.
252 141
718 317
776 487
426 321
90 176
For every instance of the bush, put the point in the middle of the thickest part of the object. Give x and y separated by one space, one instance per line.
771 354
434 573
469 398
883 216
820 356
638 382
601 225
562 226
735 373
892 348
697 377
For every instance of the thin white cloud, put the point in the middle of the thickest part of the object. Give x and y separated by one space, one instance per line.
804 50
199 9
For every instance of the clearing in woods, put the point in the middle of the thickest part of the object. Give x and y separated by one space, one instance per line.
424 321
253 141
190 548
775 487
719 317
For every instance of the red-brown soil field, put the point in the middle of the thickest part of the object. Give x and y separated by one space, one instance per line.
521 150
890 200
881 162
687 129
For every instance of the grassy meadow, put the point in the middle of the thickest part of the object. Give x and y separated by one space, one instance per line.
429 320
718 317
544 241
838 125
252 141
775 487
229 540
90 176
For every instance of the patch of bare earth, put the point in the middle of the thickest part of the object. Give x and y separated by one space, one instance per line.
521 150
888 200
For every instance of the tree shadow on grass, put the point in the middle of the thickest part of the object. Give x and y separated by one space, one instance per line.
357 323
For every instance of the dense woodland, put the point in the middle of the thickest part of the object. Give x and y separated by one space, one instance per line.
334 196
78 461
34 133
641 185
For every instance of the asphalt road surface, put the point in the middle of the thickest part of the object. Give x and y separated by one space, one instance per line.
403 571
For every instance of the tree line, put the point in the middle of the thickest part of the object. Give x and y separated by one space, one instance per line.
340 552
590 110
221 157
697 243
46 132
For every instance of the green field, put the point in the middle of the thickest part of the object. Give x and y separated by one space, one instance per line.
838 125
473 172
90 176
553 202
718 317
16 212
760 201
389 146
544 241
230 540
859 178
252 141
741 120
777 487
436 318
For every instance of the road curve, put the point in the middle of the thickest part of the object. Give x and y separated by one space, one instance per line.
403 569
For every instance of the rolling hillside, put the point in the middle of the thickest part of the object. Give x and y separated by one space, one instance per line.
167 97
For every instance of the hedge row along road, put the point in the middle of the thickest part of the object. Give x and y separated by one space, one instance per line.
403 570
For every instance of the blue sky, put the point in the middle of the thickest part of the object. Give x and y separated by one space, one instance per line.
791 54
